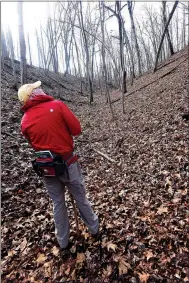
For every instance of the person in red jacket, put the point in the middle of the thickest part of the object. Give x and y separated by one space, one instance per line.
49 125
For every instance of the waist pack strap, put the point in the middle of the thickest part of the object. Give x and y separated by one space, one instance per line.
68 158
71 160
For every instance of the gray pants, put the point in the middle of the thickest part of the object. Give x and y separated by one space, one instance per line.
56 190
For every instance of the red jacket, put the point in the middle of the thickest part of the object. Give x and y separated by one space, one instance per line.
49 124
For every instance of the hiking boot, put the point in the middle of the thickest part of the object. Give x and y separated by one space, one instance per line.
96 236
65 252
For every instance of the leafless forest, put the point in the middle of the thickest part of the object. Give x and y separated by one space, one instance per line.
76 41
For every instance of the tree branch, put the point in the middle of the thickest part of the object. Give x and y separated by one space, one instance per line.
104 155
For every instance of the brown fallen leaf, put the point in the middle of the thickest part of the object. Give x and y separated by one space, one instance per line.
176 200
109 225
73 274
146 203
162 209
143 277
67 272
148 255
80 258
32 279
23 245
86 235
55 251
168 182
111 246
123 266
48 269
88 255
41 258
11 253
107 272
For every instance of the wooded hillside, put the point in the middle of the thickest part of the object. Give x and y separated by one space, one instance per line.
126 78
140 193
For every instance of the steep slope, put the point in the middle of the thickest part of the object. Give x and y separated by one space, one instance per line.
141 198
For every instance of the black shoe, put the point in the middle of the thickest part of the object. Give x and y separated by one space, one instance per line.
65 252
96 236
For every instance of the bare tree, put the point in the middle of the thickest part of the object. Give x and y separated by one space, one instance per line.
87 54
78 56
4 49
131 55
147 55
117 13
22 44
184 28
102 17
52 34
167 31
29 50
131 8
163 35
12 54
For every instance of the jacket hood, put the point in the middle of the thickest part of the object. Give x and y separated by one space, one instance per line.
35 100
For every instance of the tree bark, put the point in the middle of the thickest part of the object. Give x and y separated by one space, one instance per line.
167 31
10 41
29 50
22 44
129 3
87 55
102 17
4 49
163 35
131 55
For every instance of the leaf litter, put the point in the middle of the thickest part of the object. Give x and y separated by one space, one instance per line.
141 199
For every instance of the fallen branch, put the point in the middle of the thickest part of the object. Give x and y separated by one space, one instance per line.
5 133
104 155
116 100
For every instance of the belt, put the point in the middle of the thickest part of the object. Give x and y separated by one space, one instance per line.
69 158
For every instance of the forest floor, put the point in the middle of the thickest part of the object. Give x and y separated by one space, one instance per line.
141 195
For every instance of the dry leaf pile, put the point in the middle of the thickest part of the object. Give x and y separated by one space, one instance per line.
141 198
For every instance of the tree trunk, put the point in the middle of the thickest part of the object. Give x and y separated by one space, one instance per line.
11 46
131 55
87 55
167 31
123 83
163 35
77 52
22 45
53 47
145 49
184 32
43 55
38 50
4 49
102 17
129 3
29 50
177 31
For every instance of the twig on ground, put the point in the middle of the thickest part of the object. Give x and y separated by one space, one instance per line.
5 133
104 155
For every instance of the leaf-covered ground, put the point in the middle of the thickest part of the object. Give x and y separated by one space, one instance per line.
141 198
